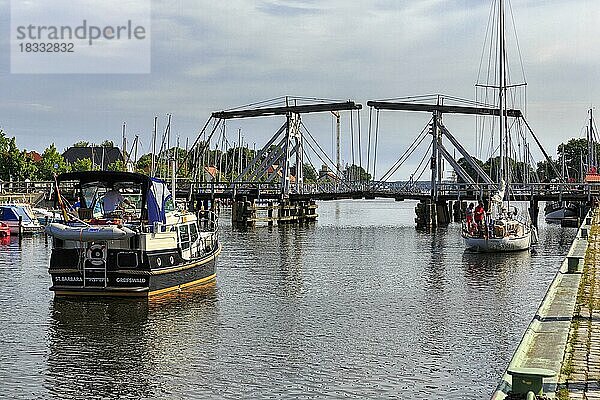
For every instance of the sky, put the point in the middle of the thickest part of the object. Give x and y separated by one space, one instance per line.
213 55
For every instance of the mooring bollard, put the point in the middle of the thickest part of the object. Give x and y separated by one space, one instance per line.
573 264
529 380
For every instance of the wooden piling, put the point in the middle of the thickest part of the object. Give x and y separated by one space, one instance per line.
426 214
20 228
534 211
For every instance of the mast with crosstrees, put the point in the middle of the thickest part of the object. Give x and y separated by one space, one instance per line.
504 229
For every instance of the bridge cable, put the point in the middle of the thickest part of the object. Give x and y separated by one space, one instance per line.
319 147
369 142
352 143
376 140
421 164
321 158
412 147
195 142
359 144
338 174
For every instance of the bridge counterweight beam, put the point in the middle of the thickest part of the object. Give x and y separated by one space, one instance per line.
288 110
388 105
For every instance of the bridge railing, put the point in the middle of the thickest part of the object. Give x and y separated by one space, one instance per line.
520 190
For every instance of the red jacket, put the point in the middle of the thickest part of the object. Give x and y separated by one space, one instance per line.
479 212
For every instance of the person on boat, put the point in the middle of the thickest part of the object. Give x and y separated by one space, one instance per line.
469 213
479 215
76 206
112 200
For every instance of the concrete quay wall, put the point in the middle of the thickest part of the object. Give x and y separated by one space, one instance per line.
537 363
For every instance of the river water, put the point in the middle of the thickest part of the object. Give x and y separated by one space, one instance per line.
357 305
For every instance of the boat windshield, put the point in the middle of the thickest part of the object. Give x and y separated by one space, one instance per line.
14 212
123 200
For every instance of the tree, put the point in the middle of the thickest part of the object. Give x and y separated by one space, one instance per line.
81 143
83 164
469 169
545 170
52 163
310 175
14 163
29 169
575 153
143 163
356 173
108 143
118 165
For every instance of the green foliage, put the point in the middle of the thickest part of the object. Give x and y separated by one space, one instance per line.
29 169
108 143
84 164
517 170
229 163
144 163
469 169
545 170
575 153
355 173
310 175
81 143
118 165
14 163
52 163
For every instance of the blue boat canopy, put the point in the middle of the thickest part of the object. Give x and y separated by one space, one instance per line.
12 213
159 201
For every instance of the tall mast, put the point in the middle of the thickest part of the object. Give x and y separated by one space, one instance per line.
502 91
153 163
591 147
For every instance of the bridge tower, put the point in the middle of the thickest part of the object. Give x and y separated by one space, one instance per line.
294 151
276 172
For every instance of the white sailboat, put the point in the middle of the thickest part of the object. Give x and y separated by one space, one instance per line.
504 228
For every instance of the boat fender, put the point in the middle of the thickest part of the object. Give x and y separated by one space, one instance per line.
87 233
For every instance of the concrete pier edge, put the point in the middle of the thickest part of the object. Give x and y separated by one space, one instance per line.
544 343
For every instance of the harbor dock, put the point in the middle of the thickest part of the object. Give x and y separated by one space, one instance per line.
559 354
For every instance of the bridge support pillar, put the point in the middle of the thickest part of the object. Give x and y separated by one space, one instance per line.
430 213
443 212
243 213
534 211
247 213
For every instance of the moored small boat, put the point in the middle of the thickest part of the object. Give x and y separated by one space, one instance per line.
557 211
45 216
139 247
19 217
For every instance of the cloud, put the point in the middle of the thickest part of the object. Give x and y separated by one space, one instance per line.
288 8
208 56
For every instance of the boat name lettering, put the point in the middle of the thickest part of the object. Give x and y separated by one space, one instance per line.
68 279
95 279
131 280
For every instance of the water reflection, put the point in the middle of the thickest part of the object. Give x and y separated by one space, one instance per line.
358 305
115 348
